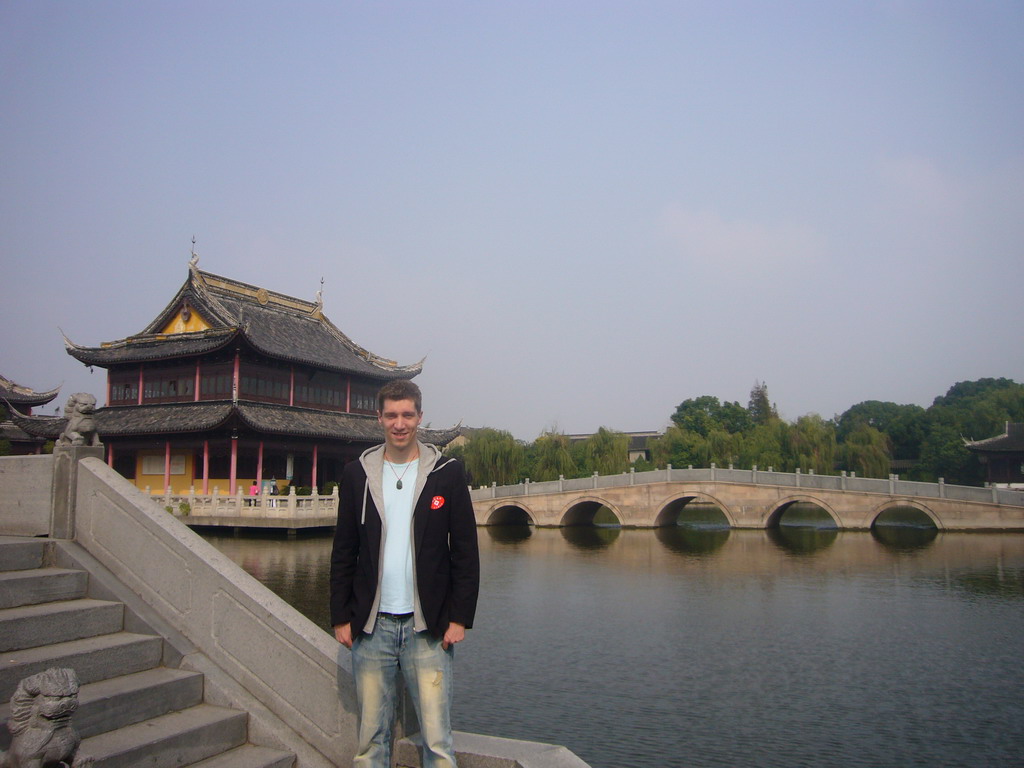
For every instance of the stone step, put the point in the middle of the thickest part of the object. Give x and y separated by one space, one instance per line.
19 554
111 704
175 739
41 585
29 626
249 756
92 658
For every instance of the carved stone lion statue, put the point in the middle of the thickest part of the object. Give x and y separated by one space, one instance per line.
40 723
81 426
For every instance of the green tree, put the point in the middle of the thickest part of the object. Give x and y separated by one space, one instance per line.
812 445
904 425
606 452
944 455
764 446
680 448
723 447
705 414
760 408
494 456
866 452
551 457
968 410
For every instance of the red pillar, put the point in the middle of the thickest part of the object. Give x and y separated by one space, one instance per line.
110 455
234 387
314 464
140 385
291 389
259 467
167 464
196 398
206 466
233 485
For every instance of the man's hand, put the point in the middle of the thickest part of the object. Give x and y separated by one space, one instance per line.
456 633
343 634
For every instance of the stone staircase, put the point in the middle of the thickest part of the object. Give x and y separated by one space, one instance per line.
133 709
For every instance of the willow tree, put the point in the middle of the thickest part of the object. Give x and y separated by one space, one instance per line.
494 456
606 452
552 457
812 442
866 452
764 446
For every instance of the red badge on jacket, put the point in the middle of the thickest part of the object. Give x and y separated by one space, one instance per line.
437 502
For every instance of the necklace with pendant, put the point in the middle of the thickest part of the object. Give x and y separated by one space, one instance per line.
398 483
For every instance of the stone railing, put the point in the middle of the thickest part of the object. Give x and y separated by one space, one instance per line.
891 486
288 506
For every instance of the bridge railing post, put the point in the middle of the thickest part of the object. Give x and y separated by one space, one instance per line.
712 471
995 494
494 489
892 485
942 487
526 487
797 475
561 483
842 480
632 475
595 480
668 473
753 474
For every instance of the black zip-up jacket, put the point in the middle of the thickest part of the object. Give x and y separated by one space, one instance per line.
446 559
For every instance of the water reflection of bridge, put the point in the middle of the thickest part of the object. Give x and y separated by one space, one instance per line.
746 499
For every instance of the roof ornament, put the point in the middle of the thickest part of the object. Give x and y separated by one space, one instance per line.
194 261
318 310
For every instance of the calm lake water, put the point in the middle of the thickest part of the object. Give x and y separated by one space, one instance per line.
694 646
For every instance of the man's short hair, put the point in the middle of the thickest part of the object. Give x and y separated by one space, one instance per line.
400 389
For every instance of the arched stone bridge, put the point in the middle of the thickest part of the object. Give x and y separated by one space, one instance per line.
747 498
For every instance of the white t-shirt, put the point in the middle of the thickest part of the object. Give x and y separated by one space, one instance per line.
396 594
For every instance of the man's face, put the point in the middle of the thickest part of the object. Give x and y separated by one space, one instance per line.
400 420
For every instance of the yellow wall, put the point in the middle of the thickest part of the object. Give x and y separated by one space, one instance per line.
183 483
195 322
180 483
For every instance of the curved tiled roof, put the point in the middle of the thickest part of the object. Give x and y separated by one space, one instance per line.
267 418
279 326
1011 441
153 347
15 394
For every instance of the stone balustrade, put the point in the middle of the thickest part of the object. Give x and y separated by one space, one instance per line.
288 506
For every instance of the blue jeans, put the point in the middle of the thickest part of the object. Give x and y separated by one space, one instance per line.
427 670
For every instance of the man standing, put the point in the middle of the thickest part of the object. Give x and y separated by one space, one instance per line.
405 574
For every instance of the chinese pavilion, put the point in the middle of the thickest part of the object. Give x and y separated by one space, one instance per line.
22 400
233 385
1003 456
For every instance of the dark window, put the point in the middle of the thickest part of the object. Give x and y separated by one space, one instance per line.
168 385
320 389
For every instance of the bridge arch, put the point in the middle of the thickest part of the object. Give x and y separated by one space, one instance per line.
509 513
779 509
904 502
675 504
582 510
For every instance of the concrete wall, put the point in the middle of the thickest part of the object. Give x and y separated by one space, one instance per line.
25 483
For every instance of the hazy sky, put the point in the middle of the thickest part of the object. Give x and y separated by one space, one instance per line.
580 213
